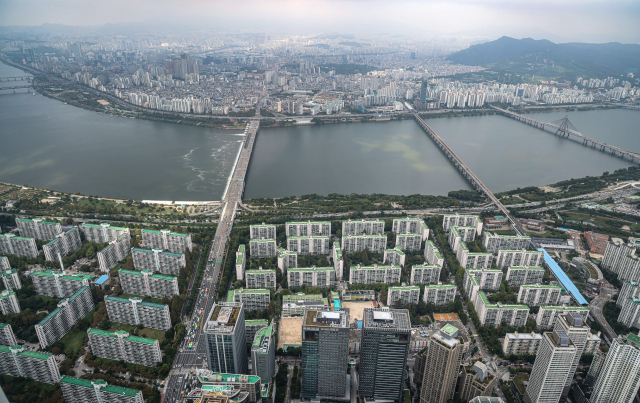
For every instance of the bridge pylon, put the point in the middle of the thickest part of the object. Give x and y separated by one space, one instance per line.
563 130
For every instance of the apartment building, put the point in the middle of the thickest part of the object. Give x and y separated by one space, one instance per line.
548 315
538 294
358 227
309 245
225 339
630 312
629 289
406 294
10 244
439 294
7 338
521 343
4 263
241 261
263 356
251 300
475 381
517 276
460 234
295 305
148 284
495 314
261 278
410 242
442 364
411 226
38 229
286 259
62 244
619 377
323 277
262 231
305 229
97 391
117 250
9 302
519 258
375 243
488 279
164 239
425 274
592 345
432 255
578 332
494 242
374 274
134 311
550 369
262 248
595 367
39 366
621 259
69 312
473 260
11 279
394 256
159 261
59 284
121 346
103 233
461 220
338 261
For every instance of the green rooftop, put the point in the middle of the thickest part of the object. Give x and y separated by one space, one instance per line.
311 268
439 286
260 271
256 322
525 268
406 288
72 380
225 378
151 251
449 329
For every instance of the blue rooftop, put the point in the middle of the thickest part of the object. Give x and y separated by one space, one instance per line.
102 279
336 304
563 279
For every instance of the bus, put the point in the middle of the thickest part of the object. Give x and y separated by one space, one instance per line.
189 332
190 345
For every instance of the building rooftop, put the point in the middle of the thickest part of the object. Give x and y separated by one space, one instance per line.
107 388
375 318
525 268
153 250
320 318
208 377
140 302
563 278
223 317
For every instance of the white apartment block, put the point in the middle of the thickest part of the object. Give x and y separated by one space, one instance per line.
97 391
9 302
286 259
473 260
394 256
537 294
148 284
38 229
462 220
376 243
117 250
309 244
411 226
460 234
338 261
103 233
58 284
261 278
628 290
262 248
517 276
374 274
120 346
357 227
241 261
621 259
157 260
134 311
407 295
630 312
619 377
439 294
519 258
11 279
521 343
263 231
322 277
548 315
494 242
164 239
319 228
251 300
488 279
592 344
496 314
410 242
4 263
425 274
39 366
7 338
10 244
432 254
62 245
69 312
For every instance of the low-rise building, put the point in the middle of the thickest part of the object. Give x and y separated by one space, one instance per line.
368 226
157 260
38 229
488 279
519 258
69 312
496 314
309 228
547 315
538 294
517 276
11 279
374 274
117 250
251 300
174 242
10 244
39 366
121 346
410 242
338 261
245 383
58 284
103 233
597 243
461 220
286 259
521 343
262 248
375 243
358 295
7 338
439 294
261 278
494 242
425 274
62 244
262 231
432 255
323 277
134 311
295 305
394 256
473 260
309 245
460 234
9 302
241 261
148 284
97 391
405 294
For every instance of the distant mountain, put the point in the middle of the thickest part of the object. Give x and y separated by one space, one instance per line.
538 56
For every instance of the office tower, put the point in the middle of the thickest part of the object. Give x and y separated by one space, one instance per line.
460 234
394 256
519 258
495 314
15 245
375 243
538 294
487 279
442 364
309 244
148 284
578 332
521 343
157 260
425 274
11 279
461 220
164 239
410 226
374 274
263 356
517 276
119 345
38 229
41 367
250 384
263 231
473 260
97 391
548 315
407 295
439 294
7 338
117 250
410 242
325 354
595 368
4 263
62 244
58 284
69 312
357 227
134 311
224 334
295 305
251 328
262 248
287 259
419 367
9 302
475 381
251 300
323 277
432 254
386 339
261 278
103 233
619 377
494 242
241 261
318 228
550 369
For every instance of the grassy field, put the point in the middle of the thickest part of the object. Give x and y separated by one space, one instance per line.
74 340
146 332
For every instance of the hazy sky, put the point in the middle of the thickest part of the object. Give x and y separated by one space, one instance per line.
568 20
